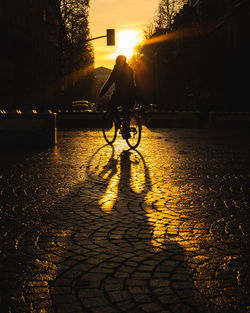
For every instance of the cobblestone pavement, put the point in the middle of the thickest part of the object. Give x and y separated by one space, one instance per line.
87 227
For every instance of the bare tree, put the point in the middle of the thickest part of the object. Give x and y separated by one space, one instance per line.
75 31
75 19
149 29
77 54
167 10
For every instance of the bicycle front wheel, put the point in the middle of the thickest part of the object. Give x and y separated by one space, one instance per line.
109 128
135 131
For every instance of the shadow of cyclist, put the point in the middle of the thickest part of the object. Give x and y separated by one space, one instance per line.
112 259
123 265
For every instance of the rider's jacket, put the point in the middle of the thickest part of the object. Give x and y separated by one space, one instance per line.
123 78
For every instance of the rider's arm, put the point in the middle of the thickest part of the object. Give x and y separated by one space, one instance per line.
107 84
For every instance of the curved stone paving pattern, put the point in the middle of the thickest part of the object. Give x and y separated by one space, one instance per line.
86 227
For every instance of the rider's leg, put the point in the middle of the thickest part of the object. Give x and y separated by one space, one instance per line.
126 121
113 105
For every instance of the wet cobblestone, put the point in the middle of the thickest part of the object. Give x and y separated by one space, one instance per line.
87 227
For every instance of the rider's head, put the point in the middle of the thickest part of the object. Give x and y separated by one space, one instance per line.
121 60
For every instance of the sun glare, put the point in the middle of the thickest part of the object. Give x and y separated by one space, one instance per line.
126 40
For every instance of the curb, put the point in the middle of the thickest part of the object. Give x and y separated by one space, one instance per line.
31 129
173 119
220 119
197 119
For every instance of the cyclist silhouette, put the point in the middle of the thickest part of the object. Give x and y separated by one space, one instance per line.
122 76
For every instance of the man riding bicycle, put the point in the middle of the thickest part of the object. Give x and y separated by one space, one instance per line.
122 76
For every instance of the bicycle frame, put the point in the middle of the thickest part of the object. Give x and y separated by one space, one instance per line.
132 134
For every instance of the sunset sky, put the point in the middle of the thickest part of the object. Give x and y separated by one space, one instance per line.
127 17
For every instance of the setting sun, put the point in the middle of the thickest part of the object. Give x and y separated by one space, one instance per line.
126 41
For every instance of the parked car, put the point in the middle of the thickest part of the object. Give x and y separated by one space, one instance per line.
83 106
152 107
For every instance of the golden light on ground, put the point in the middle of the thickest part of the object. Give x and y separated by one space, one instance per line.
159 203
107 202
126 40
122 173
137 177
126 171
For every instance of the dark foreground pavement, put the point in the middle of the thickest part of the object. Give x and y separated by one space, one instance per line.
86 227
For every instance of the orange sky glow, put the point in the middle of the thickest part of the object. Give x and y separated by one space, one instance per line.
128 18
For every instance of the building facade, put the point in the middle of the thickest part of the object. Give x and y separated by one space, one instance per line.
30 62
203 62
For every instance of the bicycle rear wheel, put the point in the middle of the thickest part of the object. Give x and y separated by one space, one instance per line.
135 131
109 128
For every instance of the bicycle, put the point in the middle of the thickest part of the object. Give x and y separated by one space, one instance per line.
113 121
